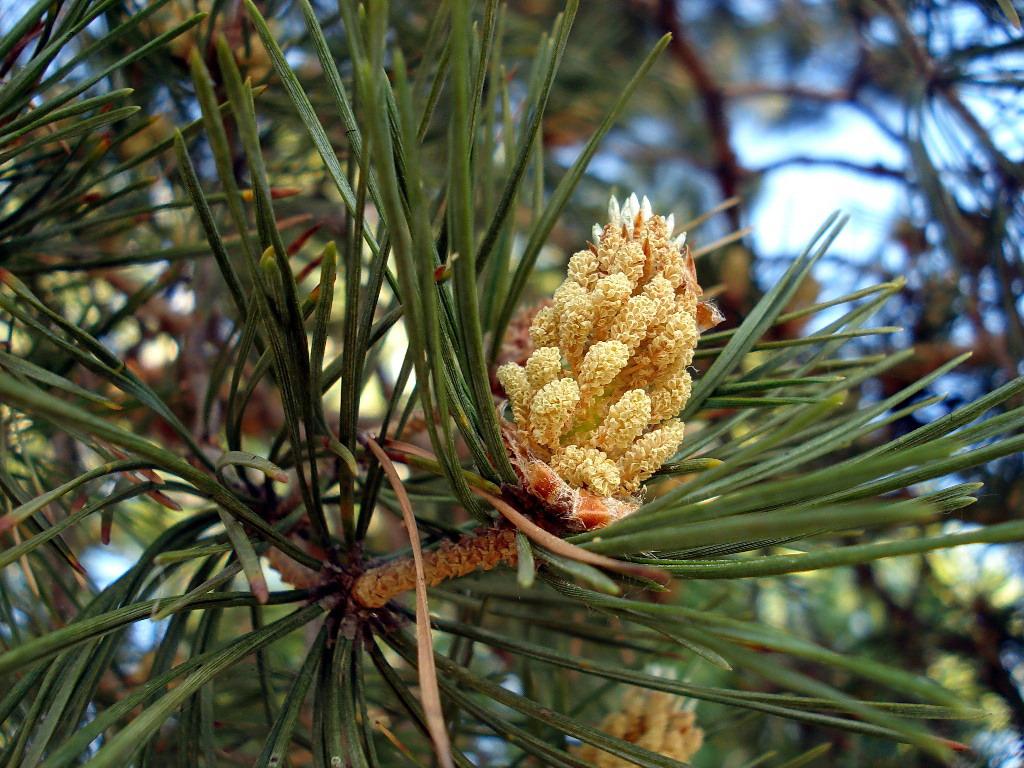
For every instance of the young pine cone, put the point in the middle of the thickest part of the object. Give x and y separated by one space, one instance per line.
652 720
595 405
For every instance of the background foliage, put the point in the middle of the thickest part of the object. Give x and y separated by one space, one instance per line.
208 221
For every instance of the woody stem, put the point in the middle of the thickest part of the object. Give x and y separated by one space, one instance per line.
480 551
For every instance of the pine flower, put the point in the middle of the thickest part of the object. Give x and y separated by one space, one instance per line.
669 396
514 379
543 367
649 452
652 720
587 466
607 301
631 326
602 363
552 411
544 328
595 404
625 422
583 269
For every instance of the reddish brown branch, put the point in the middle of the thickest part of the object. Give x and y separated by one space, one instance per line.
792 90
873 169
727 168
482 551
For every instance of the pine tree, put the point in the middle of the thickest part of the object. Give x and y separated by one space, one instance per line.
275 332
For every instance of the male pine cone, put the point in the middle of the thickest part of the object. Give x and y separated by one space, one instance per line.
597 400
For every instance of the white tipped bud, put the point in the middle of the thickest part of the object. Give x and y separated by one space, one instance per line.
613 211
633 205
680 241
670 224
645 209
597 232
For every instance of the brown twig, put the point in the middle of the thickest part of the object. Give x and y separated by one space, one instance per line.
481 551
792 90
874 169
727 168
